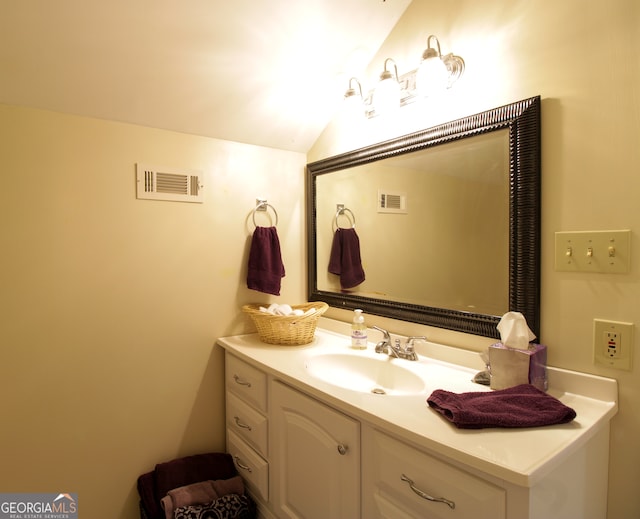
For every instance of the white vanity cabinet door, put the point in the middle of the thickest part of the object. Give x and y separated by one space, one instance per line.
315 458
387 496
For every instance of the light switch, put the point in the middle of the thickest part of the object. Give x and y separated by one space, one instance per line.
593 251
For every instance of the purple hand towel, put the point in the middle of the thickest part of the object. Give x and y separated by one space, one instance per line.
344 259
518 406
154 485
200 493
191 469
265 261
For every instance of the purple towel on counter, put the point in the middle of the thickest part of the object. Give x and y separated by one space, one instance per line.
266 269
518 406
344 260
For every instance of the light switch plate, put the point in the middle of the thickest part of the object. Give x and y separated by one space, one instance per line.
593 251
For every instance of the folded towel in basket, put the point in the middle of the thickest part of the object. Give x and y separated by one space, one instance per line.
518 406
231 506
154 485
200 493
192 469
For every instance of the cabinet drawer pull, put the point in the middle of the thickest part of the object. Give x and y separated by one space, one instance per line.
423 495
342 449
241 465
240 381
240 424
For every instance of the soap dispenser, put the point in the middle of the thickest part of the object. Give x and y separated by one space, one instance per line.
358 331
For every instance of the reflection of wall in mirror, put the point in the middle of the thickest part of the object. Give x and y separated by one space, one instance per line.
451 248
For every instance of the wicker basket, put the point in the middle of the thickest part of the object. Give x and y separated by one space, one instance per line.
290 330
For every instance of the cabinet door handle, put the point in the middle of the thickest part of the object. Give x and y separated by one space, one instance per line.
240 424
241 465
426 496
240 381
342 449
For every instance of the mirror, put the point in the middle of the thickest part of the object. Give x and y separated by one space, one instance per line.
456 242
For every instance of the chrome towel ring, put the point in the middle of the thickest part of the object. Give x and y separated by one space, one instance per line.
262 205
342 210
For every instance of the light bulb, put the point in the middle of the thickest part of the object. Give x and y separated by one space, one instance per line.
386 97
353 102
432 76
353 106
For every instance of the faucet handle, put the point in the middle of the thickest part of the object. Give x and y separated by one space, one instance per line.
385 334
409 344
385 343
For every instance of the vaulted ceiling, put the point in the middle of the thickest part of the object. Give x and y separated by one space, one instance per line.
264 72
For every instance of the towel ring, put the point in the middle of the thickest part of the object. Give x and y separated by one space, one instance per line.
262 205
352 218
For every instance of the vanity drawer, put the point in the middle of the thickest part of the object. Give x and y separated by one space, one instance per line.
246 381
248 423
253 469
386 495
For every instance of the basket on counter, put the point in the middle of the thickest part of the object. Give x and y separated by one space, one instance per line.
286 330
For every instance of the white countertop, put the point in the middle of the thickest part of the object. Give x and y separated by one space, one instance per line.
520 456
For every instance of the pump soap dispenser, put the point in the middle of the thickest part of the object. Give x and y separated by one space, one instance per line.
358 331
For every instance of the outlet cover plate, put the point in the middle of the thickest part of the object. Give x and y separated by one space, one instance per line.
624 332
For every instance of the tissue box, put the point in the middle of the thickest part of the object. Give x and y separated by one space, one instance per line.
511 367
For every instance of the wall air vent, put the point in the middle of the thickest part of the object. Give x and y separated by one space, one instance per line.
392 202
154 183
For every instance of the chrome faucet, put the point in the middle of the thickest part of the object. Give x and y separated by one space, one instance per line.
397 350
409 349
385 346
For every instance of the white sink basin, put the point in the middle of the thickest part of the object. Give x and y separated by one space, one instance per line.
358 372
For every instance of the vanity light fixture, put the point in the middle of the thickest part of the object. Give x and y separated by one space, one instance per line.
353 100
436 72
386 97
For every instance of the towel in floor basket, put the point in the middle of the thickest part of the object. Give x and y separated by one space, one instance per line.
167 476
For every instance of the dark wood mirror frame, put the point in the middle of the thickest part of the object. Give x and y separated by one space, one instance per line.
522 119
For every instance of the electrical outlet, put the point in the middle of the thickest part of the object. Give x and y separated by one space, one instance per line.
613 348
613 344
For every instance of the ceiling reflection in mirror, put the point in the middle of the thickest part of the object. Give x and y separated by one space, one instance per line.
456 242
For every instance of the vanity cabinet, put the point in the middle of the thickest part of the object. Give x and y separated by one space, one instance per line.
310 450
303 459
299 457
316 464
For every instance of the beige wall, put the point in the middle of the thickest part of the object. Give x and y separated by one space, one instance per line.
111 306
582 58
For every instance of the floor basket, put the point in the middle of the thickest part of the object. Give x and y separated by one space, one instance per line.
290 330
